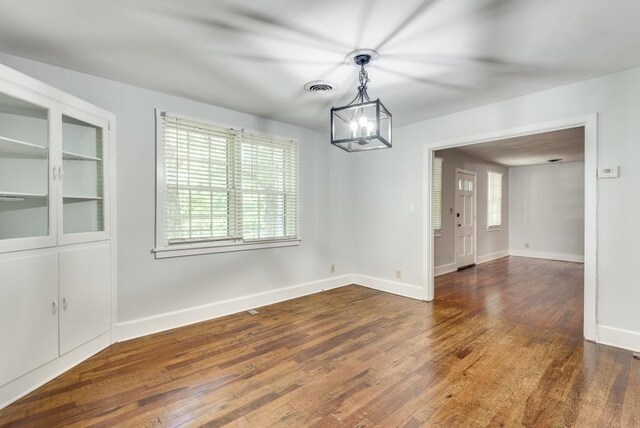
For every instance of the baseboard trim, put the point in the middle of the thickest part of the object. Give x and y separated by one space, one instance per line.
393 287
29 382
444 269
451 267
625 339
492 256
154 324
547 256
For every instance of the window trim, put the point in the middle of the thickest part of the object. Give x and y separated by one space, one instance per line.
161 250
497 227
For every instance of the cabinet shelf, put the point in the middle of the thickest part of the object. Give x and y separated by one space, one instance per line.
77 156
80 198
11 148
21 195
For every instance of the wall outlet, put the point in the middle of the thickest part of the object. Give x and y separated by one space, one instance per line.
333 269
398 274
526 245
253 312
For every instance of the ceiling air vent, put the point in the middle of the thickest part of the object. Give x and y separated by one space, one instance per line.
319 86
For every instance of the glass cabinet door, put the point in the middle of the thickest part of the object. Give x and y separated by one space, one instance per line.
24 174
83 186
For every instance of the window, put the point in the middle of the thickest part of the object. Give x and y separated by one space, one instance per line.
437 195
222 187
494 200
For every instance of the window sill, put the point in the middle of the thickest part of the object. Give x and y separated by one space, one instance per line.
494 228
192 250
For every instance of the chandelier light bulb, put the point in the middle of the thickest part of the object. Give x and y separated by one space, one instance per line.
363 121
369 127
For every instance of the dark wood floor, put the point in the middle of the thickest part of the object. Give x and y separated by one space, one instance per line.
500 346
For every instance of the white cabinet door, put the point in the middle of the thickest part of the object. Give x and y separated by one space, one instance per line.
84 294
85 184
28 312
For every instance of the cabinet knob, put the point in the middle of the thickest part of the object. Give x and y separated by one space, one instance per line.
60 172
64 303
55 174
54 306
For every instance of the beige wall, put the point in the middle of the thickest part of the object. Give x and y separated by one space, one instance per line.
489 242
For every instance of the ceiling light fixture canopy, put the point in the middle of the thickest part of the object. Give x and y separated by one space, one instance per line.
362 124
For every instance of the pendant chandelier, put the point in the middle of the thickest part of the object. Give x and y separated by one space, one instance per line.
362 124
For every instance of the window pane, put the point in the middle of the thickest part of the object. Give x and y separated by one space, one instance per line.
494 199
200 196
269 188
437 193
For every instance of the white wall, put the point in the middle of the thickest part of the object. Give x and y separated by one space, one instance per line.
489 242
389 236
547 210
147 286
371 217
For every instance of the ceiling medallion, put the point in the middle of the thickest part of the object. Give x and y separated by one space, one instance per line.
362 124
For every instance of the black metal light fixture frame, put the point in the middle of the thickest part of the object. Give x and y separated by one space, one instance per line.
360 137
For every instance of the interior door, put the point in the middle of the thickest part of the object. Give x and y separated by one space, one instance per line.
84 294
28 312
465 218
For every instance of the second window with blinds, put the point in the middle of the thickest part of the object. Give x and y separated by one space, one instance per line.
494 200
223 189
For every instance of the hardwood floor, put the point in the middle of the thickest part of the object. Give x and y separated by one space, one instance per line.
500 346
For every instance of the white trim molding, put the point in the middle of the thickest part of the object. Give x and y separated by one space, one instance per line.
547 256
492 256
444 269
451 267
625 339
393 287
154 324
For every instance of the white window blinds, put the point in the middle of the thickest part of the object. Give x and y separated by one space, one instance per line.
223 185
494 199
437 193
269 188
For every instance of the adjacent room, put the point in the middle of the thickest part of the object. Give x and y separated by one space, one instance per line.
319 213
508 225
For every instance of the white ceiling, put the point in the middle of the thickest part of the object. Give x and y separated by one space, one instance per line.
566 145
436 56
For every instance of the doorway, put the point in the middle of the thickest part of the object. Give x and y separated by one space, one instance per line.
589 125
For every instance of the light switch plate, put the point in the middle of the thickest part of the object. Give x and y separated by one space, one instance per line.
609 172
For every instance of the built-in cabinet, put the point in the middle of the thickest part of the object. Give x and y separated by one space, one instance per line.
56 271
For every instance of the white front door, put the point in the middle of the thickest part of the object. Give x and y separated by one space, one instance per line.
465 218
